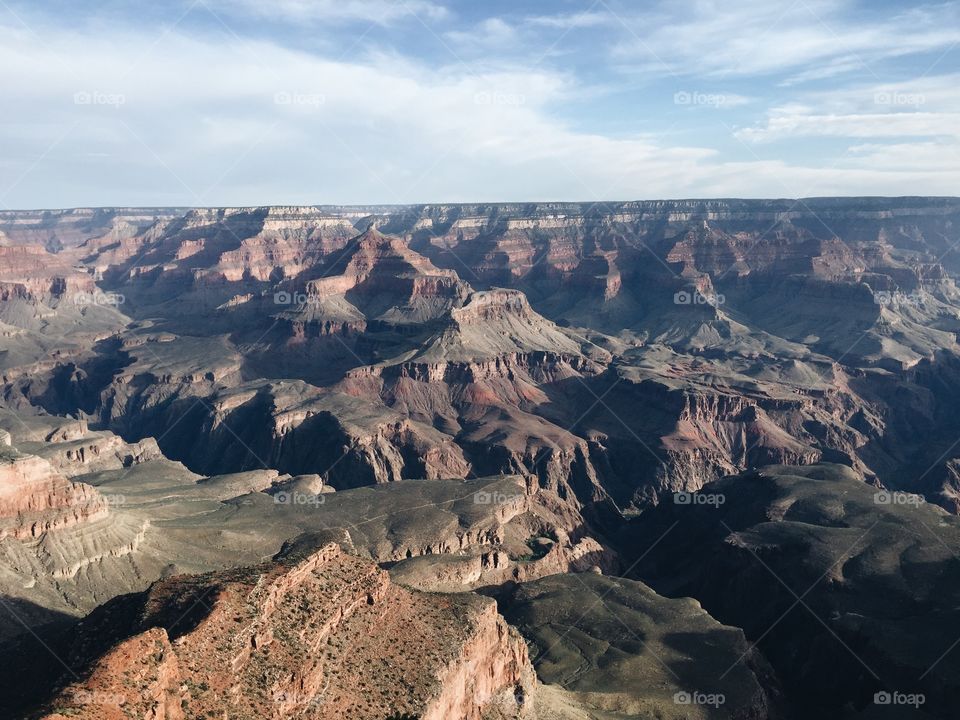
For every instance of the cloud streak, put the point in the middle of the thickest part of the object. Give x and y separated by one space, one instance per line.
381 12
808 38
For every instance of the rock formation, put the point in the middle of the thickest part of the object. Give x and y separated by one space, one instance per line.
35 499
323 635
848 590
614 648
477 398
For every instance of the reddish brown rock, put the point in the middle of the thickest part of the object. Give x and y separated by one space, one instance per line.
35 499
326 635
30 272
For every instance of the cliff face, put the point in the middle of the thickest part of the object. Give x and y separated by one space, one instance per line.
30 272
69 546
711 236
35 499
627 353
58 230
85 516
324 635
711 325
207 247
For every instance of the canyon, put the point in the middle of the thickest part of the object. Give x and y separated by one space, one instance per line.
483 446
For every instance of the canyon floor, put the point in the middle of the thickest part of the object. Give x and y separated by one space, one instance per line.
678 459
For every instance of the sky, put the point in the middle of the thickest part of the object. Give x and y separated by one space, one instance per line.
250 102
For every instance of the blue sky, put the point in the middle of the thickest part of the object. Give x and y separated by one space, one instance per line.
247 102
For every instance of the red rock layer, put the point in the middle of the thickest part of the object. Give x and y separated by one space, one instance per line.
35 499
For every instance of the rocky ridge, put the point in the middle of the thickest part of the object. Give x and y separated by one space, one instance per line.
239 634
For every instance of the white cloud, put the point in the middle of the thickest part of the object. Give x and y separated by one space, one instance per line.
345 132
787 123
490 33
758 37
931 93
925 157
374 11
573 20
202 123
917 107
774 178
